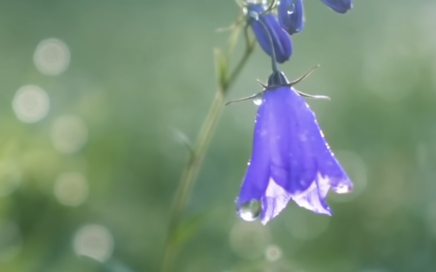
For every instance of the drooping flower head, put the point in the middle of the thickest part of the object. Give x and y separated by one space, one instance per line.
340 6
291 15
266 27
290 158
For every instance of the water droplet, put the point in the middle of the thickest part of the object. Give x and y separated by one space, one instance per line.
250 211
291 8
253 15
257 101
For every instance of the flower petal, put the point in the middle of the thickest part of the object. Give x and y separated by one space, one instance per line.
257 175
301 161
258 183
340 6
291 15
281 40
290 159
293 159
274 201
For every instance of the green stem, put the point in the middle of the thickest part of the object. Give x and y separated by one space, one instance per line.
190 173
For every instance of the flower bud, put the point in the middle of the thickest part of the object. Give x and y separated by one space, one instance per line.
340 6
267 29
291 15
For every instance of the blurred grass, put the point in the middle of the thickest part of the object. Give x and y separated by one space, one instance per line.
140 69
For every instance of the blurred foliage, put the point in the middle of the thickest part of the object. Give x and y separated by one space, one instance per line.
140 70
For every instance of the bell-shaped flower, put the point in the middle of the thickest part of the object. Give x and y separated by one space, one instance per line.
266 27
340 6
291 15
290 158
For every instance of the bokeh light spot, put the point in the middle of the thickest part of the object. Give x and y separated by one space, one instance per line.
249 240
10 177
305 225
31 103
69 133
94 241
10 240
273 253
51 57
71 189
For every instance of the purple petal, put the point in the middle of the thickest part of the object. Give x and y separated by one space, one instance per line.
340 6
280 39
291 158
257 174
308 167
258 183
291 15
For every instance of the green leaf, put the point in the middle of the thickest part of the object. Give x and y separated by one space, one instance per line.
221 68
234 37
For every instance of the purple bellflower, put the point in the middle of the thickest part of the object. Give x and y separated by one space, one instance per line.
262 24
291 15
340 6
290 157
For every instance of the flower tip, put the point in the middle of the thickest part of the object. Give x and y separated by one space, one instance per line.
264 221
326 211
344 187
340 6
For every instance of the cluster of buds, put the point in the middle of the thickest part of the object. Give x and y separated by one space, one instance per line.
280 21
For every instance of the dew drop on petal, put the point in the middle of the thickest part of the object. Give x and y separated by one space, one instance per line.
257 101
291 8
250 211
253 14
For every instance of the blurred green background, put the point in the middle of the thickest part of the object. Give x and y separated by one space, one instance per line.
95 93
